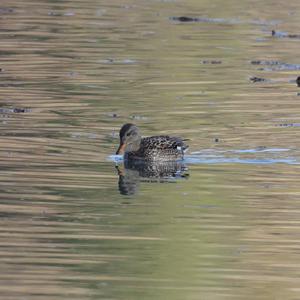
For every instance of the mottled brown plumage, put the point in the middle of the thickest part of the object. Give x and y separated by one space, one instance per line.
150 148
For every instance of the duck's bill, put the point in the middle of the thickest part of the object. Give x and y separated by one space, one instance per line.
121 149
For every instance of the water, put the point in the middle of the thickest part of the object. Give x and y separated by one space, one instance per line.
224 225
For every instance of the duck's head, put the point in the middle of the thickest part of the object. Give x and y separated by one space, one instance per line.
130 138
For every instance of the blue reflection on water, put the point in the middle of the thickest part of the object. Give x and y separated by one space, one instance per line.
211 156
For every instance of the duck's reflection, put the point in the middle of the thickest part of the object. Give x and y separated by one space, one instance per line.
133 172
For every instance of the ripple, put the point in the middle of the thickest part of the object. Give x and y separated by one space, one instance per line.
211 156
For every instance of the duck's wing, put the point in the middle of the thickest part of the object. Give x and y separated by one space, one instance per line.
163 143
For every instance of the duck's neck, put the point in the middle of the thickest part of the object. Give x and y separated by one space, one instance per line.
134 146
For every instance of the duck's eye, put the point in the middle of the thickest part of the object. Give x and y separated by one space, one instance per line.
128 134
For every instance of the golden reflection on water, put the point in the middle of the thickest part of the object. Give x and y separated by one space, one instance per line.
72 73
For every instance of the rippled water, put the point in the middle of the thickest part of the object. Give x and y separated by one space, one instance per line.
224 224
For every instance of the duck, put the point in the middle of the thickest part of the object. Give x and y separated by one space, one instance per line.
153 148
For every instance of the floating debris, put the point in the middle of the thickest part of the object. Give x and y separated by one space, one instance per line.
17 110
281 34
298 81
212 62
113 115
137 117
114 61
275 65
257 79
185 19
6 10
265 62
109 60
289 125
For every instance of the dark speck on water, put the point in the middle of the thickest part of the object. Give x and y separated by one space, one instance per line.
275 65
138 117
6 10
185 19
115 61
113 115
280 34
212 62
265 62
298 81
260 148
6 110
19 110
257 79
230 21
289 125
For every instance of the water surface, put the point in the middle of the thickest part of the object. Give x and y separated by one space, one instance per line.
72 72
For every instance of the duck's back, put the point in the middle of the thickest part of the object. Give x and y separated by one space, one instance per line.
162 148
